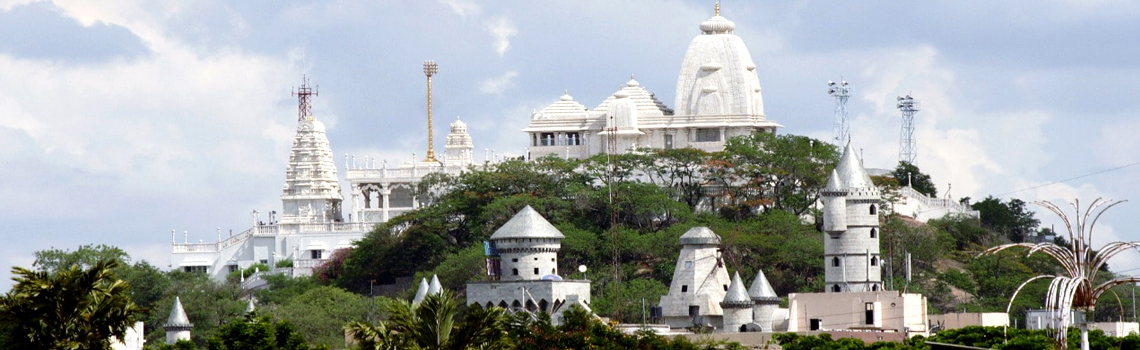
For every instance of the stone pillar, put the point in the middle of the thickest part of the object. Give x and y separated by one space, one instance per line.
356 200
384 192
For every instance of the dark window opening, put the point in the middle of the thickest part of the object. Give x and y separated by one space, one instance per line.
708 135
874 232
725 287
548 139
835 261
515 272
684 288
869 315
874 261
315 254
835 288
536 270
872 209
572 139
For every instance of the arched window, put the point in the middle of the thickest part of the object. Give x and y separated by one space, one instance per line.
874 288
872 209
835 261
874 232
835 288
874 261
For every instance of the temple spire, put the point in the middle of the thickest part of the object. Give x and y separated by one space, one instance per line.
717 8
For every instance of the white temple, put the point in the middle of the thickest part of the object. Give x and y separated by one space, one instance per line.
312 224
718 97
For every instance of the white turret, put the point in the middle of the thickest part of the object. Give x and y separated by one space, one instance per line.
528 247
434 288
737 305
459 147
699 281
765 300
851 225
312 188
421 292
177 326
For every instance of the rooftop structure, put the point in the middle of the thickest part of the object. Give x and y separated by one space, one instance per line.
177 326
851 226
718 97
699 283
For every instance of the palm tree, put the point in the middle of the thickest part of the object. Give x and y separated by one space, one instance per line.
73 308
431 325
1073 289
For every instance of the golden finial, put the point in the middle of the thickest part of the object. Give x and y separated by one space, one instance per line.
717 8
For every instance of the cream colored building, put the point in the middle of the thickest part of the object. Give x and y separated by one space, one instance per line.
966 319
884 311
718 97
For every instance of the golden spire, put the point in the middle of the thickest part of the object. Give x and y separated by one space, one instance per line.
717 8
430 68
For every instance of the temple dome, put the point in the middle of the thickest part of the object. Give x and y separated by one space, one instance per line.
718 76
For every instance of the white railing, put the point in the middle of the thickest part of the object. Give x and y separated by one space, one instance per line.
195 247
911 194
308 263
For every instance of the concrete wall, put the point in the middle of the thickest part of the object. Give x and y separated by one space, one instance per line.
1116 329
892 311
532 295
960 320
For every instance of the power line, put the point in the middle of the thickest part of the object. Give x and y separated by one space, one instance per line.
1071 179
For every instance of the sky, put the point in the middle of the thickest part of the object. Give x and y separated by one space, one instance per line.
123 120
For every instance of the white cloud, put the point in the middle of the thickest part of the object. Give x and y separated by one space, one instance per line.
463 8
497 85
502 29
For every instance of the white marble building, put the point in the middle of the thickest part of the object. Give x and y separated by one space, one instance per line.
312 225
718 97
524 270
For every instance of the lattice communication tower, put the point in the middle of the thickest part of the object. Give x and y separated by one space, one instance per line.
841 91
909 107
304 104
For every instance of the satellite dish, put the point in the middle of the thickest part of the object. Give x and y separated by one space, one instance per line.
582 268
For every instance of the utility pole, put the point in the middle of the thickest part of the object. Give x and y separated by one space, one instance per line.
430 69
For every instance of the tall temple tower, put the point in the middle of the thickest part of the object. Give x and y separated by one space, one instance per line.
851 226
459 147
718 77
312 189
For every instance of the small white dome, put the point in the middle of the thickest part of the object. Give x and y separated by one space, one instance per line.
311 123
632 82
717 25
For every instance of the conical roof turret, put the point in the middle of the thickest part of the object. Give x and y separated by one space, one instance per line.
761 290
736 296
434 288
177 319
250 307
849 174
527 223
421 292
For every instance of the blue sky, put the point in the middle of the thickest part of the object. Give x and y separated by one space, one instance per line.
124 120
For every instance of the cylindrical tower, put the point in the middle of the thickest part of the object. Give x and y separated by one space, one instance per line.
528 247
834 205
177 326
737 306
765 301
851 254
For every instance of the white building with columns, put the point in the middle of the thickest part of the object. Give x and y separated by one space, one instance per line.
718 97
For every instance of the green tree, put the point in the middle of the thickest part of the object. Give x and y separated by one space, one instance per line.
432 324
321 313
253 332
908 174
762 171
1011 218
73 308
208 304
